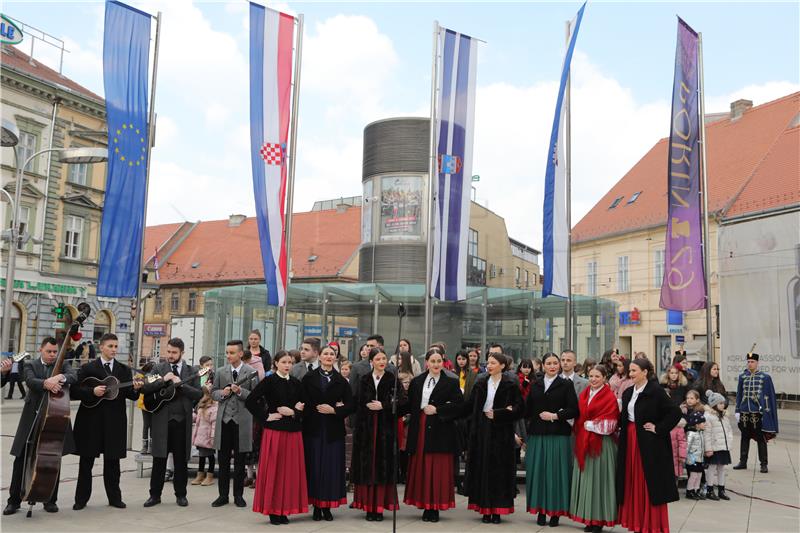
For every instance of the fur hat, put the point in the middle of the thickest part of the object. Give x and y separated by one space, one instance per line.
714 398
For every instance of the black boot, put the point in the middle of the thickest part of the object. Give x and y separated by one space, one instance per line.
541 519
710 493
691 495
275 520
487 519
721 492
326 515
764 468
434 516
317 514
426 516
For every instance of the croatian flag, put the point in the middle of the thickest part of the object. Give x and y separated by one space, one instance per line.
556 229
455 117
271 51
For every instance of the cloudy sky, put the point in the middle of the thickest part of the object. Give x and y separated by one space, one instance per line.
365 61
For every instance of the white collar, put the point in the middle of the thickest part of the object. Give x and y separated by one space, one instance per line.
569 377
286 377
237 368
110 361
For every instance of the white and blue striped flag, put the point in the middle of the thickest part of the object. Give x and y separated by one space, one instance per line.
556 229
455 111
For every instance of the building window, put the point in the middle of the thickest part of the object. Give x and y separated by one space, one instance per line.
156 347
616 202
634 197
175 303
73 236
26 147
15 334
78 173
658 267
159 303
191 305
24 218
492 271
472 248
622 273
591 278
516 276
527 279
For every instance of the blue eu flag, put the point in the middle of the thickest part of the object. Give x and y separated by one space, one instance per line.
126 54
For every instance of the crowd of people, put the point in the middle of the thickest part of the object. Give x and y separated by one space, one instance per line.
603 442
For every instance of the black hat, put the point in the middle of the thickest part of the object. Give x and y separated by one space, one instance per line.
753 356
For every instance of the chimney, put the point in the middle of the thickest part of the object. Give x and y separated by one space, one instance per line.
234 221
341 208
739 107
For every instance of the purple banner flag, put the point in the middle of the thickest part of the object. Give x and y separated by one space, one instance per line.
683 286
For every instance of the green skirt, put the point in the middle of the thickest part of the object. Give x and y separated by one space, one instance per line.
594 493
548 465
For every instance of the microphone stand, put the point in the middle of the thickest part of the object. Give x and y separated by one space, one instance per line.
401 312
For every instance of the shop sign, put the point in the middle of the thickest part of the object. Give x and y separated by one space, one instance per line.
41 287
674 321
155 330
312 330
630 318
348 332
9 32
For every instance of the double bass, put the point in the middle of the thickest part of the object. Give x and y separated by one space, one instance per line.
45 442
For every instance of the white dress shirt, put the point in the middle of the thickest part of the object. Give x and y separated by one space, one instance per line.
548 381
427 389
110 363
569 377
632 403
377 379
490 393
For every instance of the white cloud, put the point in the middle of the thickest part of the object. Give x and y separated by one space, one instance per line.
758 93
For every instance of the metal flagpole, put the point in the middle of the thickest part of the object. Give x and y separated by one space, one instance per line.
138 328
432 175
706 259
283 310
568 167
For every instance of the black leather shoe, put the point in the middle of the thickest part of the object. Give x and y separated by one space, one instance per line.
152 501
181 501
119 504
284 519
721 493
764 469
487 519
326 514
219 502
434 516
541 519
553 521
317 516
78 506
379 517
51 507
426 516
275 520
742 465
370 517
11 508
495 519
238 501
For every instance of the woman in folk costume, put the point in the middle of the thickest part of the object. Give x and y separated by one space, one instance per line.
434 400
329 401
373 463
496 404
548 459
645 475
593 501
277 402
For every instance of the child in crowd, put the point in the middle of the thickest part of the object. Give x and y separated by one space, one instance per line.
718 438
205 421
695 448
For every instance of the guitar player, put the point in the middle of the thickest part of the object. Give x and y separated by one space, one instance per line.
102 428
171 428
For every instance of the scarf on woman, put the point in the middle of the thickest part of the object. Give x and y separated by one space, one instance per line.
603 407
524 386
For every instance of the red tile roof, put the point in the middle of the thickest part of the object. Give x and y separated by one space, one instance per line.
157 236
231 254
14 58
736 152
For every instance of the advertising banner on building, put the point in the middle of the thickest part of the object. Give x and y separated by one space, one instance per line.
401 207
683 286
759 281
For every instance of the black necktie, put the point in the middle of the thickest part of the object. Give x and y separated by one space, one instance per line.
310 367
235 375
108 368
175 370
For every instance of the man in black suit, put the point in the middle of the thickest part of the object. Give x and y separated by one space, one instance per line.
39 382
171 428
103 427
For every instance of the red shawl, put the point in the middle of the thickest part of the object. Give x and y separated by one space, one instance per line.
602 407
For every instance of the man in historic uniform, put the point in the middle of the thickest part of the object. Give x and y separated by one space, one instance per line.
756 411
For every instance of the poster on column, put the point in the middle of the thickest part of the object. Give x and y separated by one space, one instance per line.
759 280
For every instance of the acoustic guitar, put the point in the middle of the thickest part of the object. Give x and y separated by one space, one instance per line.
112 385
156 399
241 381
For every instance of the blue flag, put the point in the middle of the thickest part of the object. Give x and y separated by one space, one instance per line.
126 55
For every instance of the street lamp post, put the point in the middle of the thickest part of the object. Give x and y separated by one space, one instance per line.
69 156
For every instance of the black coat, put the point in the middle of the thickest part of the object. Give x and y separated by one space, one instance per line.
266 358
272 392
652 405
441 435
676 395
338 390
103 428
375 432
35 372
491 463
560 398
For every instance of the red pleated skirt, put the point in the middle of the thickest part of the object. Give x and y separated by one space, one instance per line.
430 477
281 481
375 498
636 513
